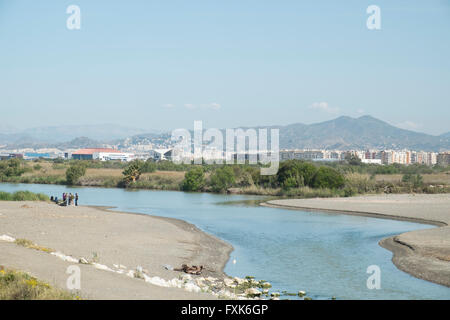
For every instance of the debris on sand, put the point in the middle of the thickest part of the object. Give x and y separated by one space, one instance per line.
197 270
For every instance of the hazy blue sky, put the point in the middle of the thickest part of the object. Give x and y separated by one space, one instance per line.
163 64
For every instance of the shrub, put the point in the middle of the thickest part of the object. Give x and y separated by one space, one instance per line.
75 172
295 174
288 175
194 180
148 166
222 179
327 177
415 180
11 168
360 183
16 285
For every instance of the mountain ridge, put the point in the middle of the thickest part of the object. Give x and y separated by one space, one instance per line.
344 133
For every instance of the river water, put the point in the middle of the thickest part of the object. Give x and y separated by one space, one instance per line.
323 254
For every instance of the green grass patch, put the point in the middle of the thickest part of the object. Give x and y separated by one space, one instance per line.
23 196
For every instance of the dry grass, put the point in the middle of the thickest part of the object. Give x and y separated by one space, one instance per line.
46 170
434 178
31 245
16 285
104 177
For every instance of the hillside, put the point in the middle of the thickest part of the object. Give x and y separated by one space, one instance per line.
342 133
358 133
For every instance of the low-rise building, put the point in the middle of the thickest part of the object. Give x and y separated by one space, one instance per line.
102 154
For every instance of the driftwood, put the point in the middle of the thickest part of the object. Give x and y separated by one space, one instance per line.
191 270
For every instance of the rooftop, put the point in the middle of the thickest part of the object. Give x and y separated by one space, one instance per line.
95 150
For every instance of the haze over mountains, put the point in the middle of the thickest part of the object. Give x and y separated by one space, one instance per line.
58 134
342 133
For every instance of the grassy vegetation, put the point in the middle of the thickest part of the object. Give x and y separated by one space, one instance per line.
23 196
15 285
31 245
294 178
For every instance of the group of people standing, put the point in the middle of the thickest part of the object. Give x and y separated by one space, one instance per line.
68 199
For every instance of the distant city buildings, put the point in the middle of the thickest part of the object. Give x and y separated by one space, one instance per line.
387 157
164 151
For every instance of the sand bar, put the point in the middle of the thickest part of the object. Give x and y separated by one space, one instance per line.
114 238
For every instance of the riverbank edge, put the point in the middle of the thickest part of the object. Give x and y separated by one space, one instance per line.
218 245
400 250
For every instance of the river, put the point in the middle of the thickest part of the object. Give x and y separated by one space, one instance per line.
324 254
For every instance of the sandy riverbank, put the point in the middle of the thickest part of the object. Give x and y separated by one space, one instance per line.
114 238
424 253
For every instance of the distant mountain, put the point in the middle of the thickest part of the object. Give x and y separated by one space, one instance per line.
58 134
104 132
343 133
365 132
79 143
7 129
16 139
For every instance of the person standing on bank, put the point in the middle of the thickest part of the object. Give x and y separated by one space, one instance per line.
76 199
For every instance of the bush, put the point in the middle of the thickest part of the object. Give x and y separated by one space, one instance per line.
194 180
148 166
329 178
222 179
11 168
16 285
360 183
289 176
75 172
295 174
415 180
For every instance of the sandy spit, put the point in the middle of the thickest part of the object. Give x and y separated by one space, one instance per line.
110 238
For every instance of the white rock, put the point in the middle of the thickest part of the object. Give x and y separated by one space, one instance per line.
275 294
7 238
176 283
239 280
157 281
200 282
102 267
228 282
168 267
187 277
253 292
64 257
191 287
